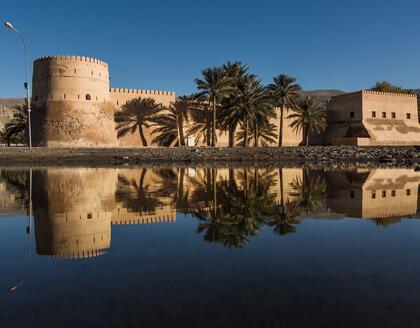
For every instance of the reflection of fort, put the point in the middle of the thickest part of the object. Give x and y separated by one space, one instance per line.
75 208
376 193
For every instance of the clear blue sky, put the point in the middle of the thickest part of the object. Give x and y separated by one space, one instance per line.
165 44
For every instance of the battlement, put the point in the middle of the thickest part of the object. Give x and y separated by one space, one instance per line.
144 220
78 255
141 92
361 92
72 58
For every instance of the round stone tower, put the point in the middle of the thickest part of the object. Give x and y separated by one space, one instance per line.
71 103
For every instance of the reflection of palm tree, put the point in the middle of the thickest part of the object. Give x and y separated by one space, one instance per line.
16 182
137 114
239 211
309 192
284 218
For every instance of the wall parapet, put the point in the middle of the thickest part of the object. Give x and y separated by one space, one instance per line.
72 58
374 93
141 92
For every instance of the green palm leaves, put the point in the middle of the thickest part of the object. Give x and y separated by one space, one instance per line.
285 91
307 116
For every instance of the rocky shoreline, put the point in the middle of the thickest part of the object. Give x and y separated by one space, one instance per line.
401 156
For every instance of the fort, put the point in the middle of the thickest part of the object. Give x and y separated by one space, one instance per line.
74 106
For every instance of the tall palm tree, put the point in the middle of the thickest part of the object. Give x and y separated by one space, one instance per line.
251 101
307 116
169 123
228 119
214 85
137 114
284 91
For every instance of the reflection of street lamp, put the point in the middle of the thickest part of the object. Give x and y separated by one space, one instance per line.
28 231
10 26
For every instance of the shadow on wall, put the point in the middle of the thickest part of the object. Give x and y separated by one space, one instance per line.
136 117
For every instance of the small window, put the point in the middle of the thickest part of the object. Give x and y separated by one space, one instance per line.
383 193
383 114
373 194
117 103
393 115
408 116
78 96
89 215
373 114
36 98
408 192
351 114
96 97
91 72
75 71
351 194
392 193
64 96
88 97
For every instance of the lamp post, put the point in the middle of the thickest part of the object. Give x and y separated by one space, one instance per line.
10 26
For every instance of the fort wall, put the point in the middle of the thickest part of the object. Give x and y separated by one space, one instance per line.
368 118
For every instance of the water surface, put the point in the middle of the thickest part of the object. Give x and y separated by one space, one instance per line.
209 247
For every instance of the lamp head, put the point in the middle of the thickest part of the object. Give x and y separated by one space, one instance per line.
9 25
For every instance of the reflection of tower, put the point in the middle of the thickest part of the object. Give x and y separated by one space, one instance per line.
72 211
377 193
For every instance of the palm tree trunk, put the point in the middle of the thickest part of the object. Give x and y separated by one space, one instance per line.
256 136
213 128
281 125
306 136
246 131
181 139
231 135
208 130
142 137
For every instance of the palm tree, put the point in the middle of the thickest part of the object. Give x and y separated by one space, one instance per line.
213 85
284 90
308 116
201 117
14 130
136 114
4 137
169 123
252 102
227 118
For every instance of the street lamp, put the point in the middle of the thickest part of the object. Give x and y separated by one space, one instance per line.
10 26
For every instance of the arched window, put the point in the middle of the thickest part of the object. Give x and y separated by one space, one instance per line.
88 97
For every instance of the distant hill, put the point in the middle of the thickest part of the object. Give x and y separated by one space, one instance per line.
322 96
